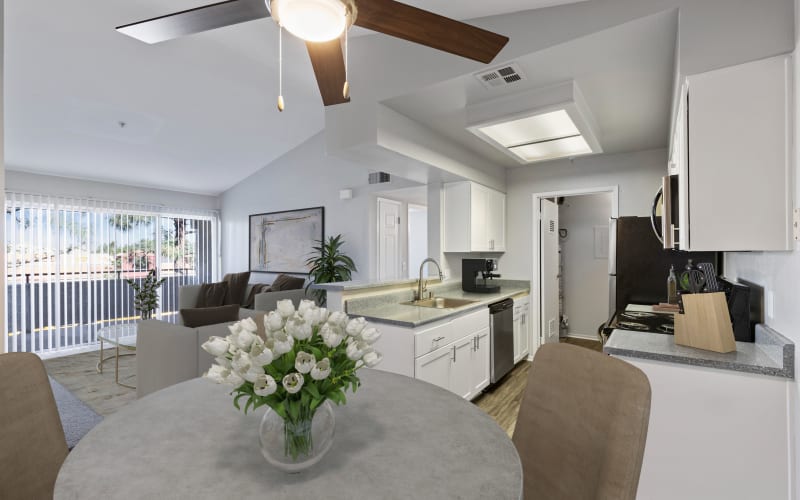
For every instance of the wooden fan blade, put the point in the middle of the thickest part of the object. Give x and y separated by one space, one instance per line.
426 28
328 63
196 20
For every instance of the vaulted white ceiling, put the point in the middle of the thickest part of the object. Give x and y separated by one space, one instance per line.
625 74
195 114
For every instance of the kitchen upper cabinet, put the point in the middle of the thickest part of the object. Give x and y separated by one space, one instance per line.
735 189
474 218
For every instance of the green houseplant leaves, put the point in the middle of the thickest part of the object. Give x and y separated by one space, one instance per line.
145 299
329 265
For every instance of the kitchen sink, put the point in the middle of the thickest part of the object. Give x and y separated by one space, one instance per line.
439 303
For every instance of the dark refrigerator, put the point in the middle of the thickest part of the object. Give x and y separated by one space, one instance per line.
639 265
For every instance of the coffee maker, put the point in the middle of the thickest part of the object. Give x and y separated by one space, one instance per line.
475 272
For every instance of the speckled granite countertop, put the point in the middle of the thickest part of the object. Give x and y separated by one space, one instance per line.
772 354
387 308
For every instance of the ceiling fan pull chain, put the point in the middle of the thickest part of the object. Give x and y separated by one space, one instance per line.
280 68
346 88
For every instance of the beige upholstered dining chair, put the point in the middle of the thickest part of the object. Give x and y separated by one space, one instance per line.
32 440
582 425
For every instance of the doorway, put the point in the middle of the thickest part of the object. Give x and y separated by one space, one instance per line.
402 233
570 285
389 258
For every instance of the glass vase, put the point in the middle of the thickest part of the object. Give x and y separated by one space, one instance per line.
293 446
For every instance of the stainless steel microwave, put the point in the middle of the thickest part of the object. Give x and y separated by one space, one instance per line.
664 216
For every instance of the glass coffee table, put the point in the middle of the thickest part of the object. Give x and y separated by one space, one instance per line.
122 337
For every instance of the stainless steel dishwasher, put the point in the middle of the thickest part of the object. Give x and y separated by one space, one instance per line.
501 323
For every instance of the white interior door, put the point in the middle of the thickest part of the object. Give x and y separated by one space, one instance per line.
389 257
548 236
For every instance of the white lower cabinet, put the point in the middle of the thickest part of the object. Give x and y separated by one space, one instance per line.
461 377
434 367
522 331
453 354
481 370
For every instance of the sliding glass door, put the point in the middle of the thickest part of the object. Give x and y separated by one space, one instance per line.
68 262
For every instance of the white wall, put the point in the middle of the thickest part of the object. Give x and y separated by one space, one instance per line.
779 273
638 176
62 186
305 177
585 277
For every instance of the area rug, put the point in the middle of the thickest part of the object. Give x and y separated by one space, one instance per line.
76 417
78 373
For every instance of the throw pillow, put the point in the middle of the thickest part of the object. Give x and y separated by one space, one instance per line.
237 286
251 298
203 316
212 294
285 282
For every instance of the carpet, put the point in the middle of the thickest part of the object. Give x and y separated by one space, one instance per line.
76 417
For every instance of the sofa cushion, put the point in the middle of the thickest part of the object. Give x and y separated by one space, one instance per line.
202 316
212 294
255 290
286 282
237 286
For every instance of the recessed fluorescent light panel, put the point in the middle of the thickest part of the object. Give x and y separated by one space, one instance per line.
553 131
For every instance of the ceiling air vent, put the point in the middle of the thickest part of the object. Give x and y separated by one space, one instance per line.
501 76
379 177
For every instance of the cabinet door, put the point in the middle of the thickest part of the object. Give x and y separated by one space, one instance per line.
740 158
461 371
479 208
517 332
496 221
481 371
435 367
456 217
524 335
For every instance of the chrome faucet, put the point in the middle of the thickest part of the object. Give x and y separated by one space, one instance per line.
422 285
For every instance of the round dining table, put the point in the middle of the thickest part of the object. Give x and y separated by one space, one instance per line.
396 438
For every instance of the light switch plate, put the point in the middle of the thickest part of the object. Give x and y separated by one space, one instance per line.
796 224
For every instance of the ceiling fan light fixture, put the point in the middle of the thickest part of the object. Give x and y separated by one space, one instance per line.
313 20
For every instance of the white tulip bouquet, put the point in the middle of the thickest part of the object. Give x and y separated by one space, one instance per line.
308 356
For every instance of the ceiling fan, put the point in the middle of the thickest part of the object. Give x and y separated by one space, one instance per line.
320 23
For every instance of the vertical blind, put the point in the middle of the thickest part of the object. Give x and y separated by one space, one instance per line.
68 261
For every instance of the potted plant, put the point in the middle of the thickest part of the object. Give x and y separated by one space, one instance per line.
307 358
145 298
329 265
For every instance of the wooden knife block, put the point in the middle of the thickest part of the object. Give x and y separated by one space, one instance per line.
706 323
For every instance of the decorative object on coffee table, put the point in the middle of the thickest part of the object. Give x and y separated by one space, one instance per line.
329 265
309 357
145 299
281 241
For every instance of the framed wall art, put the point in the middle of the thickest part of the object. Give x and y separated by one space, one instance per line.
281 242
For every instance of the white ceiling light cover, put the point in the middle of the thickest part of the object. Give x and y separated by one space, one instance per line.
559 148
535 128
543 124
311 20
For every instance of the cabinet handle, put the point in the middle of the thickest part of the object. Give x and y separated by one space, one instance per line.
474 344
454 354
477 342
437 339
